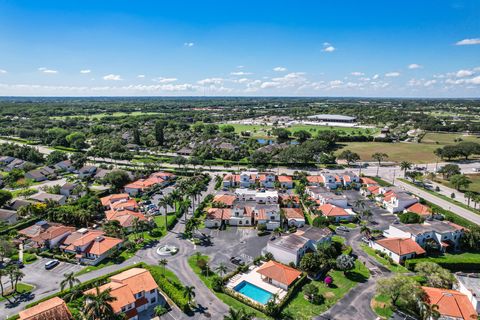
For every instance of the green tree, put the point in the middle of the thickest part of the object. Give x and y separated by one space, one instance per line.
345 263
398 288
349 156
405 165
5 196
460 181
70 280
449 170
302 135
98 305
189 293
436 276
241 314
56 157
163 263
159 132
221 269
117 179
311 263
379 157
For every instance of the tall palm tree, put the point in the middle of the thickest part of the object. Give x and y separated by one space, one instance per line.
189 293
183 207
469 195
405 165
429 311
98 306
70 280
366 231
366 214
136 225
163 263
360 203
165 202
176 196
379 156
221 269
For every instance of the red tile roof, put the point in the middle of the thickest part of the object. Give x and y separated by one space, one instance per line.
315 179
365 180
285 179
329 210
52 309
451 303
226 199
106 201
125 217
420 209
279 272
293 213
401 246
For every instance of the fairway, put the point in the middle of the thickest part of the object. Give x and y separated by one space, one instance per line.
402 151
264 131
114 114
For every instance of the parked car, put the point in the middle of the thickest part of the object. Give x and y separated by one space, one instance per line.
366 240
16 263
342 228
51 264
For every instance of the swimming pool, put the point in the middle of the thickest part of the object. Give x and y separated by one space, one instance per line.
253 292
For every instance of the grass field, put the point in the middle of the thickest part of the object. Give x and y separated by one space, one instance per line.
413 152
382 306
103 115
262 131
474 186
21 288
300 308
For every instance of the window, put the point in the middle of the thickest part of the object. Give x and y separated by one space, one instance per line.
153 300
124 309
152 291
240 222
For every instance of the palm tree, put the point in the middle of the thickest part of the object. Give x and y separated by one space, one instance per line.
98 306
176 196
429 311
238 315
405 165
136 225
379 156
163 263
366 231
70 279
360 203
183 207
73 294
189 293
198 255
165 202
366 214
469 195
221 269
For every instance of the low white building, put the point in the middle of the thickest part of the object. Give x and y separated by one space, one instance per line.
259 196
469 285
399 249
324 196
294 217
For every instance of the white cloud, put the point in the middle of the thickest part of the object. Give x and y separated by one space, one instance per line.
392 74
47 71
475 80
240 73
210 81
85 71
428 83
2 71
240 67
279 69
375 77
188 44
357 74
164 80
414 66
468 42
141 76
463 73
112 77
269 84
329 49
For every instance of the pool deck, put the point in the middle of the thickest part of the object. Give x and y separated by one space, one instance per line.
255 278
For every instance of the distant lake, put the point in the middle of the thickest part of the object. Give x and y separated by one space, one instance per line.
270 141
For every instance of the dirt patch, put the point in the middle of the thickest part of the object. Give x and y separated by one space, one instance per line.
329 295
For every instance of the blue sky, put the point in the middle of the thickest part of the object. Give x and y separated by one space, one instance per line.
254 48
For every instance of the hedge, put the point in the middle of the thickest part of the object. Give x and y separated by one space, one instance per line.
462 262
170 289
19 226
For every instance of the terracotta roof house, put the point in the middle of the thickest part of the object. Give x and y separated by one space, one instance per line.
420 209
108 200
217 216
286 182
368 181
278 274
231 180
336 213
399 249
51 309
289 200
451 304
294 216
226 199
91 246
45 234
126 218
135 291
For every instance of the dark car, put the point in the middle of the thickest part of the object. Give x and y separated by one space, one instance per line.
51 264
16 263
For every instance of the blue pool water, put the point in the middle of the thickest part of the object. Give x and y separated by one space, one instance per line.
253 292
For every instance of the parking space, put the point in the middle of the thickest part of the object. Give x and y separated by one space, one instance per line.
243 243
60 269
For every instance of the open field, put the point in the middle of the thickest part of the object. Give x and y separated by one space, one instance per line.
474 186
262 131
413 152
103 115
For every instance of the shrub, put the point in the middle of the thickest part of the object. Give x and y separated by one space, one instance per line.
217 284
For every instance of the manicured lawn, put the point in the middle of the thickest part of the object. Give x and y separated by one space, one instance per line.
474 186
412 152
234 303
382 306
455 262
385 262
114 114
105 263
21 288
300 308
264 131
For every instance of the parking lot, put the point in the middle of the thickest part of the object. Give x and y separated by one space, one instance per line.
60 269
233 242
